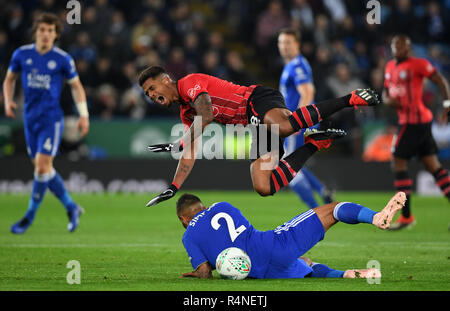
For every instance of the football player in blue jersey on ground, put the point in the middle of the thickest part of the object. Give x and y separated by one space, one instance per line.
43 68
275 254
297 88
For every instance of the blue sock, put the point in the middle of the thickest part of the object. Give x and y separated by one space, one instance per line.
303 189
352 213
313 180
322 271
56 185
40 185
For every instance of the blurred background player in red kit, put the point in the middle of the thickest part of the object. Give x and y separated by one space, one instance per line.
403 84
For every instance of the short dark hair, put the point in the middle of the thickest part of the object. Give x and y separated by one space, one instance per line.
47 18
150 72
292 32
185 201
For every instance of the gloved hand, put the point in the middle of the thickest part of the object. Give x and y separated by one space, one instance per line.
166 147
165 195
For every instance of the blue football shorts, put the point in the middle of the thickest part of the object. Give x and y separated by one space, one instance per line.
43 136
291 240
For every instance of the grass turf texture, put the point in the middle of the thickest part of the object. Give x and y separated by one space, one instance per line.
121 245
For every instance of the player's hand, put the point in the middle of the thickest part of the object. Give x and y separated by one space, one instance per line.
165 147
10 106
204 271
189 274
83 124
444 117
165 195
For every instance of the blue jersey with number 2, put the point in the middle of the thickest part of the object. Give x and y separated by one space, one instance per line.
274 253
222 226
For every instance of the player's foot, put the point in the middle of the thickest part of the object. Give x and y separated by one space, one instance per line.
327 195
322 139
21 226
74 218
371 273
383 219
403 223
364 97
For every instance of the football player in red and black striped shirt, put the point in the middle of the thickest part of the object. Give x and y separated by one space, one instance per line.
403 84
214 99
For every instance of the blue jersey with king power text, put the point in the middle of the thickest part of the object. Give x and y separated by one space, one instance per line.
42 79
296 72
222 226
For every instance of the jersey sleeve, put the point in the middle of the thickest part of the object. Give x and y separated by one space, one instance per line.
424 67
14 64
192 87
302 73
68 68
196 256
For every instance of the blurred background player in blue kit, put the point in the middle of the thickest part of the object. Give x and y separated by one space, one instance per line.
43 68
297 88
275 254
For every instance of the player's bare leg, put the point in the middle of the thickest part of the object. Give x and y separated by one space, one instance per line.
43 163
279 116
269 174
325 214
261 171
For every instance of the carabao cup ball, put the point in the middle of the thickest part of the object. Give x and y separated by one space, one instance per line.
233 263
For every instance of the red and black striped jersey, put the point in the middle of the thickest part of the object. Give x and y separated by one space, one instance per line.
404 82
229 100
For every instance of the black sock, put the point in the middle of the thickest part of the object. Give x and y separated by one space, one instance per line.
404 183
330 106
309 115
443 181
288 167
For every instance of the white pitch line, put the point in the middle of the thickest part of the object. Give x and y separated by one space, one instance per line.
85 245
409 244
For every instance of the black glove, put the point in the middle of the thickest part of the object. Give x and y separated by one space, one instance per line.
167 194
165 147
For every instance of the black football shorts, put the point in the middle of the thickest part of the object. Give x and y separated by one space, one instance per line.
262 100
414 140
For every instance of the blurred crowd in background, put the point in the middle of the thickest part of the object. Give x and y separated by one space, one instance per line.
231 39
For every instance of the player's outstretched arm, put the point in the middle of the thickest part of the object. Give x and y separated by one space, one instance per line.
203 271
185 165
444 87
8 92
79 96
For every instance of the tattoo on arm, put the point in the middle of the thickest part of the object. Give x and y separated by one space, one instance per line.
203 107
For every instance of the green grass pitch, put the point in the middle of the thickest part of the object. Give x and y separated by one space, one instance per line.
121 245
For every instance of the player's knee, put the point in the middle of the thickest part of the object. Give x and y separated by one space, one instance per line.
43 167
262 190
286 129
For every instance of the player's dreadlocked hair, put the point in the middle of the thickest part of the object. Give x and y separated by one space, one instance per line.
150 72
185 201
